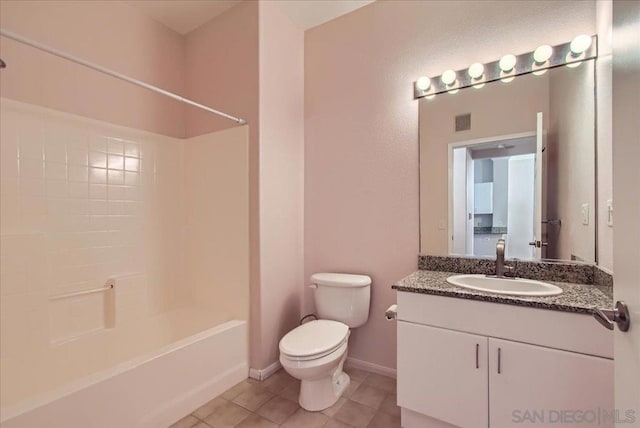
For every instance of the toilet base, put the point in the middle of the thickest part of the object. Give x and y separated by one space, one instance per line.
322 381
322 393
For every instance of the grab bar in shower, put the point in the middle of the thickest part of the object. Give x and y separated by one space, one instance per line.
108 286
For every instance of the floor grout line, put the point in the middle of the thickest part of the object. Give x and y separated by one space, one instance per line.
365 416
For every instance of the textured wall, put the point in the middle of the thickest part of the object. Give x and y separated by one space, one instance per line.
281 180
110 33
361 128
221 60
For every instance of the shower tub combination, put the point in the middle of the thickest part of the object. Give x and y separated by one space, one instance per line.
84 201
145 347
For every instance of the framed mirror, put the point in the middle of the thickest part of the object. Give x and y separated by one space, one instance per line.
515 160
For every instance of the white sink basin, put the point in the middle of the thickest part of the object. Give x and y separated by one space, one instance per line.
511 286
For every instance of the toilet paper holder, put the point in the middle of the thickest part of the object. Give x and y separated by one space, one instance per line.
391 313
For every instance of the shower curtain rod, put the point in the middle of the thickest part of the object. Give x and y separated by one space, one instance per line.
72 58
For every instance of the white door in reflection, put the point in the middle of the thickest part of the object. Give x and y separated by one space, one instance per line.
493 195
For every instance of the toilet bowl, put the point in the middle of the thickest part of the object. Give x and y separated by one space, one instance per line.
315 353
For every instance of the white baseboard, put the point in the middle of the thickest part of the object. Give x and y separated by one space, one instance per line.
370 367
263 374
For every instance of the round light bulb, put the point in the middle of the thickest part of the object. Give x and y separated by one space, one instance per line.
542 53
507 62
448 77
423 83
476 70
580 44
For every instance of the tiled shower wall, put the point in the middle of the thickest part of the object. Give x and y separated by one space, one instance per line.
83 201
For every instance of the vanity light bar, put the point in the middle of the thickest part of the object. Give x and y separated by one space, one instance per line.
537 62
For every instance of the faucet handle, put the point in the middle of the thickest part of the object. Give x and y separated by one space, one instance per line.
538 244
511 271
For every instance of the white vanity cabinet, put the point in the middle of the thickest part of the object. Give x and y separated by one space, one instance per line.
443 373
477 364
534 378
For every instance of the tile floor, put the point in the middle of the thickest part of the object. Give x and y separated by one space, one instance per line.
369 402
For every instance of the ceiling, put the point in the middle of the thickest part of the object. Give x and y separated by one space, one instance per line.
184 16
311 13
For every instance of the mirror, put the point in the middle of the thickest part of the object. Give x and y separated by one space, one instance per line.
513 160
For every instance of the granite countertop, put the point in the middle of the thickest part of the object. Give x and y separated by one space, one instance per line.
489 230
580 298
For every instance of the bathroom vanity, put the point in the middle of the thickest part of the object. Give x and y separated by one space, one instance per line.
474 359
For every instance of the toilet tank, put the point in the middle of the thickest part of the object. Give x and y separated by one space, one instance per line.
342 297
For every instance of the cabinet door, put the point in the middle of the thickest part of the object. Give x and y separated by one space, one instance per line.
443 374
535 386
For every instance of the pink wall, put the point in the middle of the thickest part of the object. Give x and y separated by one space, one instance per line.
361 128
222 70
249 62
140 48
281 179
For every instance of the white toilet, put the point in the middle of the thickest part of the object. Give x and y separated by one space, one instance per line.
315 351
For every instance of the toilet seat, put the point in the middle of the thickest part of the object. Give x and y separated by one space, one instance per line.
314 340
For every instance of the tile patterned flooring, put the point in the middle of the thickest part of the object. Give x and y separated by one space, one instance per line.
369 402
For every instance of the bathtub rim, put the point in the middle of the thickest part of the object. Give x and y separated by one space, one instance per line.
13 411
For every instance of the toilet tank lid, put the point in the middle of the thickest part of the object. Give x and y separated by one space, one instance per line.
340 279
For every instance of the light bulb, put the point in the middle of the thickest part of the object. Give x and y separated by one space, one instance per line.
542 53
476 70
423 83
580 44
448 77
507 62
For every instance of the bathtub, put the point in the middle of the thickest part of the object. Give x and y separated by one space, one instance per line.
152 390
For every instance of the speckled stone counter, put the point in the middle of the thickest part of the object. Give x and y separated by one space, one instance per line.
580 273
489 230
580 298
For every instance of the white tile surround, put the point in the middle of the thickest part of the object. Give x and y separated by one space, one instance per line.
83 201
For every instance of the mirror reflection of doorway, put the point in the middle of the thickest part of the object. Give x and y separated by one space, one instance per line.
493 196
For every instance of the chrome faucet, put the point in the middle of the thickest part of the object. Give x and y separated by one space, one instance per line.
501 269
